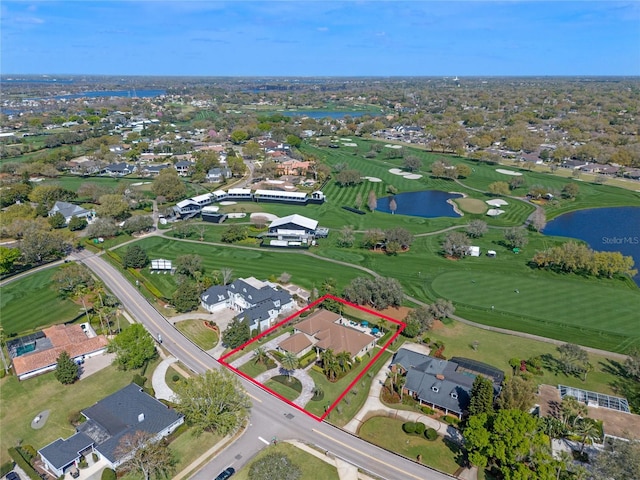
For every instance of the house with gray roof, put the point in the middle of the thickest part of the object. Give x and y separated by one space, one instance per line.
445 385
113 418
257 303
70 210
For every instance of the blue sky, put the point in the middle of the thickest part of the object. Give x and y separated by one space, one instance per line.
321 38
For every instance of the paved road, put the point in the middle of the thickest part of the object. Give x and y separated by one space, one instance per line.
270 417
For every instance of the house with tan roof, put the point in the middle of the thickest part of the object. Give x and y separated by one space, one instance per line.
38 353
325 330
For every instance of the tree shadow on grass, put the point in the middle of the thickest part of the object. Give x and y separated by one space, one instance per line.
552 364
460 455
613 367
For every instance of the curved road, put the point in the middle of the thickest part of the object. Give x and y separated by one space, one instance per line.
270 417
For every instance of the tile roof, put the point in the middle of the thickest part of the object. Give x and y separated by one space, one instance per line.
334 336
296 343
69 338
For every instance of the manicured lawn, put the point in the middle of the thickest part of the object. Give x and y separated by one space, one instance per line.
171 372
311 467
253 368
32 302
289 390
351 404
496 349
188 447
22 401
385 432
471 205
196 331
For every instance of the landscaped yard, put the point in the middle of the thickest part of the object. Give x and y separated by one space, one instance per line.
351 404
310 466
32 302
196 331
282 386
385 432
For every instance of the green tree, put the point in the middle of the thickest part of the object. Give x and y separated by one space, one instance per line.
441 309
499 188
348 177
294 140
57 220
145 454
456 244
214 401
133 347
189 265
588 430
402 236
71 276
463 170
38 245
476 228
113 206
515 237
136 257
8 257
272 466
50 194
137 224
347 237
619 459
77 223
234 233
517 393
481 396
260 355
186 298
251 149
329 364
236 333
289 363
412 163
103 227
169 185
67 371
238 136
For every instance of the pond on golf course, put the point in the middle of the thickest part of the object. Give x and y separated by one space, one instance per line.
614 229
426 204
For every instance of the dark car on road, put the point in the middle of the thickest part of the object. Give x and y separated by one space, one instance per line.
12 476
225 474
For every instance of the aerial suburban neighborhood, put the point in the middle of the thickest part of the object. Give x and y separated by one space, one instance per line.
316 277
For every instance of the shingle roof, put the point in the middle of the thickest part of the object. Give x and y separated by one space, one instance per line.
61 453
68 209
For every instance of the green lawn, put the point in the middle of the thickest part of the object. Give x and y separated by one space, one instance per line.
351 404
188 447
496 349
252 368
22 401
31 303
198 333
290 391
311 467
440 454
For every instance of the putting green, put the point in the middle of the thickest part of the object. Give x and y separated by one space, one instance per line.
471 205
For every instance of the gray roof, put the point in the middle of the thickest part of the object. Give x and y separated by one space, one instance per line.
109 420
119 167
436 381
61 453
68 209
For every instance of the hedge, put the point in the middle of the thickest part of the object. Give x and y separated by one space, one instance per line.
5 468
108 474
431 434
455 421
23 464
428 410
420 428
409 427
307 359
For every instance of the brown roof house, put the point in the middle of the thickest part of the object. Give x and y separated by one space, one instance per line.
327 330
38 353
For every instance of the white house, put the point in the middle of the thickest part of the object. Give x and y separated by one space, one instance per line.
69 210
259 303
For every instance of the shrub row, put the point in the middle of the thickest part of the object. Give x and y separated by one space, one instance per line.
307 359
419 428
23 464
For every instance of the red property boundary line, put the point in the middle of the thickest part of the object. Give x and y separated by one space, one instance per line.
401 327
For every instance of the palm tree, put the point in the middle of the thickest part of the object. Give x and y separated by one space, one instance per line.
289 363
344 361
588 429
260 355
329 364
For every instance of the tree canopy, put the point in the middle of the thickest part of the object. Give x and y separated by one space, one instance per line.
380 292
67 371
169 185
214 401
136 257
272 466
145 454
236 333
133 347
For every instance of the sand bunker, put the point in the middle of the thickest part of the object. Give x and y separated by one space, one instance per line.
413 176
227 202
269 216
397 147
494 212
396 171
497 202
345 139
508 172
373 179
350 144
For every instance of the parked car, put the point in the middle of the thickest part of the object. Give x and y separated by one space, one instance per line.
225 474
12 476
